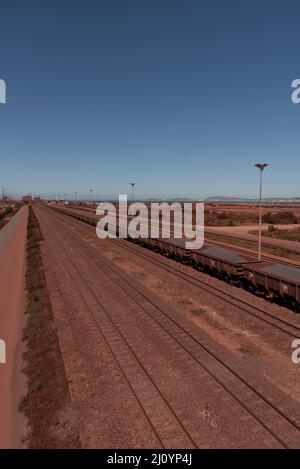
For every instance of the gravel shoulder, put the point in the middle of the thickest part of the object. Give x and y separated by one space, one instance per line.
12 383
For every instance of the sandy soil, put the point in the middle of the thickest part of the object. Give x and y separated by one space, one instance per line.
12 250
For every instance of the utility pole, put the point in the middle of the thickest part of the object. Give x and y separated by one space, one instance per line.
132 191
91 190
261 167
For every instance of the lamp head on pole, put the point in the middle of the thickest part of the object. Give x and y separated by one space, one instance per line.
261 166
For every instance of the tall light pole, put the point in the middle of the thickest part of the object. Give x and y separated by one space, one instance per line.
75 198
261 167
132 191
91 190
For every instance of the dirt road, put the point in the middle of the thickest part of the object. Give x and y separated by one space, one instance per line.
12 256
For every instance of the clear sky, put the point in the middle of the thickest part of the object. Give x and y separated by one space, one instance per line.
180 96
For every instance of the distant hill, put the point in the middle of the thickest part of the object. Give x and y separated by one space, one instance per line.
225 199
266 200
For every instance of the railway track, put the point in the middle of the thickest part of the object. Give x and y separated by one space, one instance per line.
110 332
261 409
280 324
210 242
292 329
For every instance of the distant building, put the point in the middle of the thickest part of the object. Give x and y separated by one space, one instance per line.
36 200
26 199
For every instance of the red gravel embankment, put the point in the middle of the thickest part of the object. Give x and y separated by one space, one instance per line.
48 404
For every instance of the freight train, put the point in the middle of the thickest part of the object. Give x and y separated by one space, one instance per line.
276 281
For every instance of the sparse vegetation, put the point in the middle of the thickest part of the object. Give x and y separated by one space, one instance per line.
252 245
284 218
247 217
290 235
274 232
223 218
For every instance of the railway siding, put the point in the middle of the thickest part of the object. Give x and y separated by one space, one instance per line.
135 312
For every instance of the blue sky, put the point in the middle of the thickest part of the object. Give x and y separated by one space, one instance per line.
182 97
